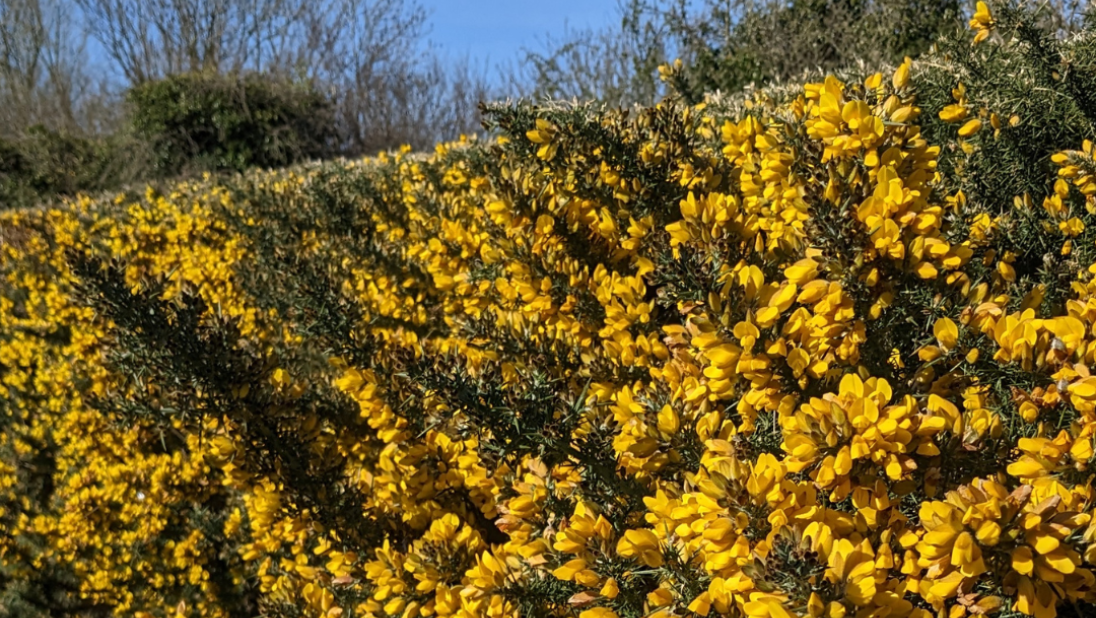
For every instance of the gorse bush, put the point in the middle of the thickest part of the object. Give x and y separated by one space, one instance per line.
769 356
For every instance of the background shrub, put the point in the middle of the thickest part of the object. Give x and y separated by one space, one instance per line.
44 163
219 122
727 48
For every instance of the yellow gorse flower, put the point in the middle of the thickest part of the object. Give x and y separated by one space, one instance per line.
982 22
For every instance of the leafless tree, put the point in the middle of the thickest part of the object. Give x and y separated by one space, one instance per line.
42 73
387 87
148 39
616 64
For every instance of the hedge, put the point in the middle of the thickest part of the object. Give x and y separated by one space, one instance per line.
776 355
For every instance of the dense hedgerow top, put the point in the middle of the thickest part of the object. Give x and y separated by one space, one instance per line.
783 358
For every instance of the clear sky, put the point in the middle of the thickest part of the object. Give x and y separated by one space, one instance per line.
495 31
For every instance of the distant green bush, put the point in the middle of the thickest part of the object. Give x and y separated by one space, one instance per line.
202 121
43 163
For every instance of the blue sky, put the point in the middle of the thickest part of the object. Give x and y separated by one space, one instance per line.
494 31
